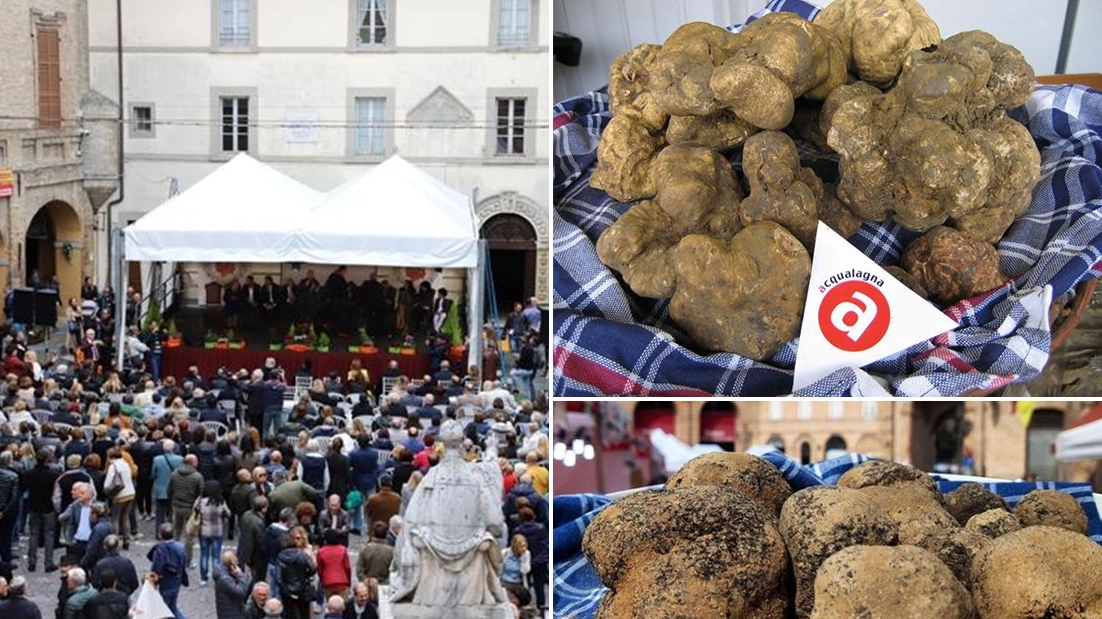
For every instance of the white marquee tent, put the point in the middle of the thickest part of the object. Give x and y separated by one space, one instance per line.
245 211
392 215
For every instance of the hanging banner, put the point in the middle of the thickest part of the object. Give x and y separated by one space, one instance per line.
7 183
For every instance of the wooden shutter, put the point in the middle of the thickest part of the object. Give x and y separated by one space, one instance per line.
49 79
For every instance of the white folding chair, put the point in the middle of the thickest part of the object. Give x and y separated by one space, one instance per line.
388 384
230 407
384 455
323 442
302 385
219 428
42 416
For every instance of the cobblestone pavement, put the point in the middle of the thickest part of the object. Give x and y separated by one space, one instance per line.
196 602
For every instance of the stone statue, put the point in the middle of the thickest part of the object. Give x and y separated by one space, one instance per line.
447 559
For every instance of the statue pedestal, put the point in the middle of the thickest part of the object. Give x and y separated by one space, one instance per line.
420 611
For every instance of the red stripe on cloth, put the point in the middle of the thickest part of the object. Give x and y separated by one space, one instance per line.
610 382
948 356
958 363
562 119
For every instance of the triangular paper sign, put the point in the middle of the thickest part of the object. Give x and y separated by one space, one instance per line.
857 313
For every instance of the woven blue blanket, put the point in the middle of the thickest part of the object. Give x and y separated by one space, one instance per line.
578 591
609 341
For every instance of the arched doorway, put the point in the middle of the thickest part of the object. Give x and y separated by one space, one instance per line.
938 430
512 244
53 246
717 424
835 446
651 414
1043 428
805 453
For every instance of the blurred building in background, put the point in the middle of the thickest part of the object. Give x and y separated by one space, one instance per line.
1001 439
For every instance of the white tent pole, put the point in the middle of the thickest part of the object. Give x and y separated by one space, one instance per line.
120 283
476 281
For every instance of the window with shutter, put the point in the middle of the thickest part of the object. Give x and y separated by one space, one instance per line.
49 78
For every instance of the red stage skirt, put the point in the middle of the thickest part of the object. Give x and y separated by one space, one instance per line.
176 361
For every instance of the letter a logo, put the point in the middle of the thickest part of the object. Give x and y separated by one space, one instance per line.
849 320
854 316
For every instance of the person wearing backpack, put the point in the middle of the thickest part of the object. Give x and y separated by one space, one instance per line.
169 569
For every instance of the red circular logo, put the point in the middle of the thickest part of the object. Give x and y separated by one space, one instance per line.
854 316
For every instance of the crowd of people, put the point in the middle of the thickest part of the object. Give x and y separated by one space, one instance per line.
292 475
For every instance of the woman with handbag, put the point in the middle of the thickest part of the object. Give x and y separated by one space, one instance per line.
212 511
118 485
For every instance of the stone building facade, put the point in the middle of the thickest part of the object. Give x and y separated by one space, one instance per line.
324 91
986 438
57 144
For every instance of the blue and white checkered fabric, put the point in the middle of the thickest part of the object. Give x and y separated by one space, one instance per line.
609 341
578 591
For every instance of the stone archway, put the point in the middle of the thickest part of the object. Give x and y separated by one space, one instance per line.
511 241
511 202
54 245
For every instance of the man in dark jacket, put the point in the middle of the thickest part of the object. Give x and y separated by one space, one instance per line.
101 528
240 496
169 569
9 504
184 488
39 482
231 587
273 544
296 569
252 547
109 603
254 414
254 606
122 567
17 606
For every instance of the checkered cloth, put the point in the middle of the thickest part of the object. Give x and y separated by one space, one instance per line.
609 341
578 591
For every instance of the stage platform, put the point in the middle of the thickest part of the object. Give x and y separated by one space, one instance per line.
176 361
195 323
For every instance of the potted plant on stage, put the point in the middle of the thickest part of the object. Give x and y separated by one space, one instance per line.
363 343
234 342
175 338
322 344
408 347
210 340
274 341
300 338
